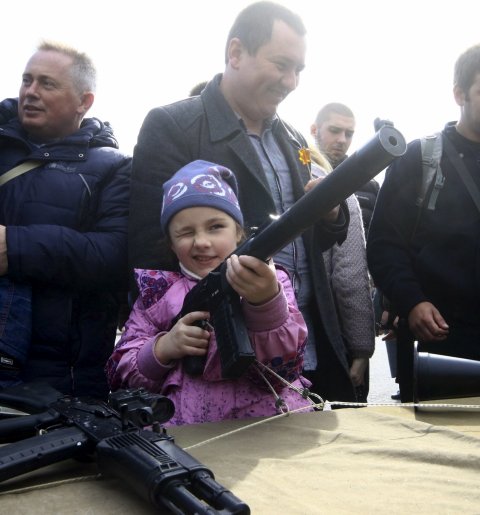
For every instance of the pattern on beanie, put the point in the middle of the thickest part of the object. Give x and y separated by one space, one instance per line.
201 183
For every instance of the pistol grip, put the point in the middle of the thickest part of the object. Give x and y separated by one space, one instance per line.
194 365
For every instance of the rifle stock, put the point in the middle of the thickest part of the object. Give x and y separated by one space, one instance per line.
214 294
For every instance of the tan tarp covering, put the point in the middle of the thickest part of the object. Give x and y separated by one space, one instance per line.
369 460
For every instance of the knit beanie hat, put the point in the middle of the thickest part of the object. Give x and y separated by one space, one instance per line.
197 184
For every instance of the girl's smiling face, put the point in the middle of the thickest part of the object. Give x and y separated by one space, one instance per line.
202 237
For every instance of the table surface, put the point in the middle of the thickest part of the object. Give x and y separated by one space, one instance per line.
367 460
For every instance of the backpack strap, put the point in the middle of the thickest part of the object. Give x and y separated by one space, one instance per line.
19 170
439 177
431 147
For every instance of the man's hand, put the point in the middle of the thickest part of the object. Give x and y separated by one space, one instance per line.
426 323
332 215
357 371
388 332
3 250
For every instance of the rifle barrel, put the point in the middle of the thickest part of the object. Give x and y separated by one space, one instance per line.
387 144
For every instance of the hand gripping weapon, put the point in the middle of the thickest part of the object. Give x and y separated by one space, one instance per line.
215 295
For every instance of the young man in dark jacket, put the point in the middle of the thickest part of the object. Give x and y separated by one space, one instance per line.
234 123
426 261
63 224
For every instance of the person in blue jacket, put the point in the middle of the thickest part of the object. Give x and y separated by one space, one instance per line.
63 224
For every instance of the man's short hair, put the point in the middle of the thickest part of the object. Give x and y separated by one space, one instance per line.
334 107
466 68
253 26
83 72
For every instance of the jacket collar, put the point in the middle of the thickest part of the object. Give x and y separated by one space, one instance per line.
463 144
224 125
92 133
222 121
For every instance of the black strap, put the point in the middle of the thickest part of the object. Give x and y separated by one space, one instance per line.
464 174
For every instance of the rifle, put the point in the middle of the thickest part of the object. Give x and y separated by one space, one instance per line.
215 295
147 460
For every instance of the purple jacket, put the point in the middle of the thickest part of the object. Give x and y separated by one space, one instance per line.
277 331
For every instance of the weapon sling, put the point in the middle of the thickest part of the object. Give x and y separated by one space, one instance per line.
19 170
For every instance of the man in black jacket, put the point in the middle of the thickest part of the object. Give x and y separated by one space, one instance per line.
424 259
234 123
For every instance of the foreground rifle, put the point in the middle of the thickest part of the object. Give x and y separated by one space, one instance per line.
215 295
148 461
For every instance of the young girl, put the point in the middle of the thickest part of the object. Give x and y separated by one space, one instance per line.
203 222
